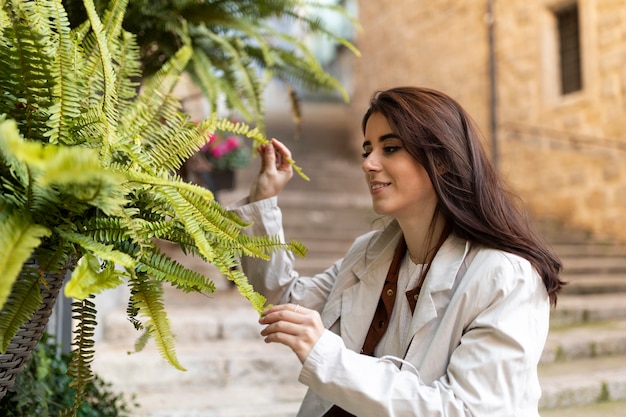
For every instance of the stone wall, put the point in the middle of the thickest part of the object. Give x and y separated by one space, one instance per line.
565 155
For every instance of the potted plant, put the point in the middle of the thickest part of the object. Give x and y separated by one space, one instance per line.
226 153
88 183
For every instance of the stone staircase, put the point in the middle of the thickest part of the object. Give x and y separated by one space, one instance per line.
231 372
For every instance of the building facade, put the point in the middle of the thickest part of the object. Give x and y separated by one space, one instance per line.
545 81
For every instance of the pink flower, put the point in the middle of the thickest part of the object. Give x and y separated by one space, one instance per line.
207 145
222 148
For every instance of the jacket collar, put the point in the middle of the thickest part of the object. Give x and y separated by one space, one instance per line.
442 271
375 263
379 254
440 280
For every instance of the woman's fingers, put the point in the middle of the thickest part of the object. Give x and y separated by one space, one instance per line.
268 157
275 172
275 155
294 326
283 154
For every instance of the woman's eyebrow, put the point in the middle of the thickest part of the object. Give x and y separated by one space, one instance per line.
388 136
381 139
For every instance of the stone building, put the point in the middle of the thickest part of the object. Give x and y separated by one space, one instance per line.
545 81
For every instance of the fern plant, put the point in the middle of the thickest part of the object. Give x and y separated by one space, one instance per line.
88 177
236 44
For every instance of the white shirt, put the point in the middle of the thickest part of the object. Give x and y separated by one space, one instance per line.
396 339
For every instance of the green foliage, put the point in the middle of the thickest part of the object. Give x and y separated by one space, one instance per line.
79 368
88 177
237 44
43 389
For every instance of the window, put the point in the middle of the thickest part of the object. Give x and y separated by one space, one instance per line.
569 49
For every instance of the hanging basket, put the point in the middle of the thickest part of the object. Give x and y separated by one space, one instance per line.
13 361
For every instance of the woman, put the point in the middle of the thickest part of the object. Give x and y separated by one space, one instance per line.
466 331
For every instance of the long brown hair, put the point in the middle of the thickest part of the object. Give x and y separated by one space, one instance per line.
441 136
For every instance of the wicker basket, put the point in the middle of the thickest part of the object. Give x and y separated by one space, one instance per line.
13 361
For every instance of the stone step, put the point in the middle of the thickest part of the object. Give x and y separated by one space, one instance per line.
583 381
210 365
577 309
223 378
569 250
594 283
590 340
594 265
194 318
581 326
601 409
230 378
211 403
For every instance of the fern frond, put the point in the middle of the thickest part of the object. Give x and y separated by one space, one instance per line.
165 230
67 91
98 249
54 255
109 94
257 135
242 129
229 268
308 16
128 70
76 171
19 238
242 75
4 18
142 340
147 297
79 367
107 230
25 76
90 277
113 18
160 133
20 306
163 268
200 219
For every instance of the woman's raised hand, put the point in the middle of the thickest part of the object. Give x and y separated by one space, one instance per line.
294 326
275 172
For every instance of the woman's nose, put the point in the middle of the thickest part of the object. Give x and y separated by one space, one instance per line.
370 163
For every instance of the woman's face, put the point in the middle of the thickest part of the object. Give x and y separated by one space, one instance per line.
399 185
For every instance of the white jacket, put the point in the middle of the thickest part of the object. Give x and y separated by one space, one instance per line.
479 328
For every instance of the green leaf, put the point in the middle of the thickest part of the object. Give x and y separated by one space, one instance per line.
91 278
147 297
19 238
24 300
100 250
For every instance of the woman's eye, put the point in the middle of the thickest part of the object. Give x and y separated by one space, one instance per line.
391 149
365 154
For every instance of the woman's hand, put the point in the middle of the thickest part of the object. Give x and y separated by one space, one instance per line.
294 326
275 172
